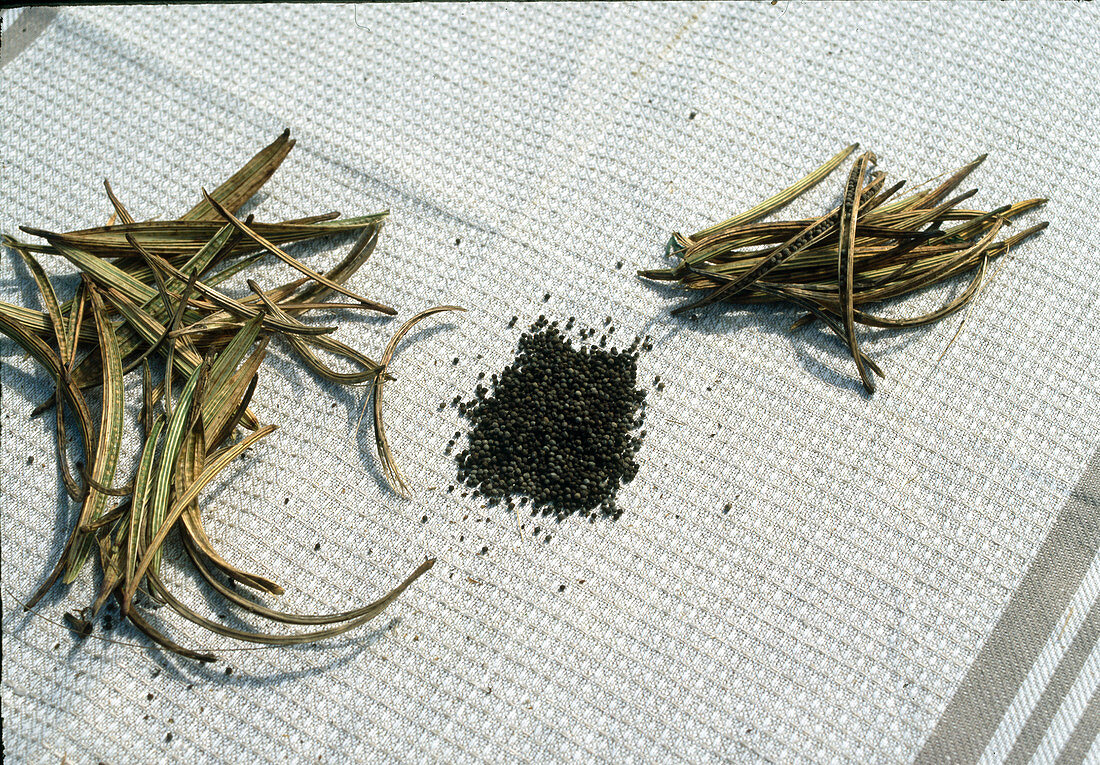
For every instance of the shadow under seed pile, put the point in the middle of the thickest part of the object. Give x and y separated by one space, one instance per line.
557 427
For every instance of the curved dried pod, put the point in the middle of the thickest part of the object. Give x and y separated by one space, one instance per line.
385 456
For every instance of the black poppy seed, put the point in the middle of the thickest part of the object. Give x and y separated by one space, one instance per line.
728 507
454 361
228 670
30 460
618 265
168 738
556 426
546 297
317 546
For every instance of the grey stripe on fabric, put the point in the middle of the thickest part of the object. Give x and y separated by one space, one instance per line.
974 712
1068 669
28 25
1078 745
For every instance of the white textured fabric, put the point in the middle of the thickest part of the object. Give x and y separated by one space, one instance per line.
526 149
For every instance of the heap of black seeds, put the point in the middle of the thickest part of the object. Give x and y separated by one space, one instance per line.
557 427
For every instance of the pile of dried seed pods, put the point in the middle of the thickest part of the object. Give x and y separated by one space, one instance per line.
867 250
150 291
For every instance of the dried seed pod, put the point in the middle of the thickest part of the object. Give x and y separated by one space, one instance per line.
867 250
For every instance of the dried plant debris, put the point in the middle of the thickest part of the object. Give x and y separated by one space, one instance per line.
557 427
149 291
868 250
385 456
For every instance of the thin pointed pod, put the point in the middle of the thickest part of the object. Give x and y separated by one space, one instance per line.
49 297
209 473
147 402
359 253
111 556
243 184
163 641
385 456
103 489
47 358
228 401
783 197
105 461
139 506
936 274
73 488
925 199
194 533
845 258
167 333
38 322
75 324
235 418
301 346
225 363
173 442
952 183
818 230
280 617
957 304
234 306
153 333
188 469
108 518
65 335
369 612
294 262
120 210
178 240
